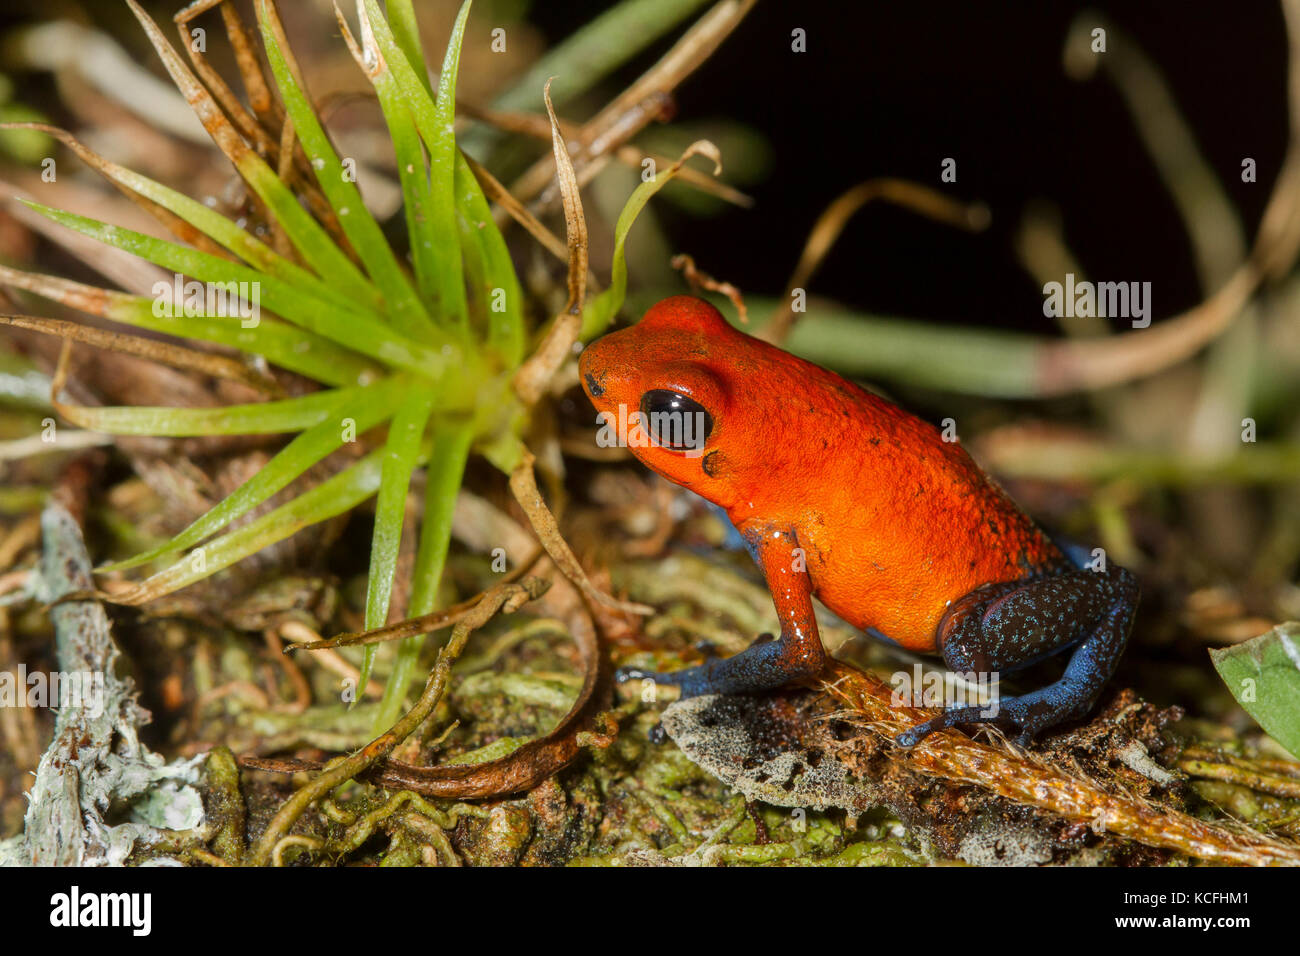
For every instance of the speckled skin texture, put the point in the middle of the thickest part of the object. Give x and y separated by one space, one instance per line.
845 496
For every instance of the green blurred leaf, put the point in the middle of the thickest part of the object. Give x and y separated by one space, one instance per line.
25 145
600 311
1263 674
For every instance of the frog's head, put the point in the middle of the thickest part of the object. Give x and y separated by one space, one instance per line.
663 389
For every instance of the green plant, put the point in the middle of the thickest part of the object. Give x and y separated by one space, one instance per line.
441 352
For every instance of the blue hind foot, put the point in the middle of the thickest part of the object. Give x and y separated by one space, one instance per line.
1004 627
1031 713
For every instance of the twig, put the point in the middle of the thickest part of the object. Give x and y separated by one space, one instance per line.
641 102
413 627
954 757
702 280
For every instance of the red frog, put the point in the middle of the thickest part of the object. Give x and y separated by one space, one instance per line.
844 496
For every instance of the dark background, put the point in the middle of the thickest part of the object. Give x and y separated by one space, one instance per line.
891 89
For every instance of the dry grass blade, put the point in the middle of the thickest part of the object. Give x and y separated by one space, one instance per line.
284 167
1278 238
534 375
250 68
575 223
632 156
292 163
539 127
641 102
496 192
75 295
194 9
1088 364
222 130
20 449
177 356
1018 777
523 485
1084 365
118 176
243 120
931 203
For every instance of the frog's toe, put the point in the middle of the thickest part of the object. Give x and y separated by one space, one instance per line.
625 674
690 680
958 715
1035 712
706 648
1031 713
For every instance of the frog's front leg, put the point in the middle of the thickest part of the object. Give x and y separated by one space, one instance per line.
1001 628
765 664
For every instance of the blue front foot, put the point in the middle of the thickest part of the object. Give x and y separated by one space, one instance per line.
766 664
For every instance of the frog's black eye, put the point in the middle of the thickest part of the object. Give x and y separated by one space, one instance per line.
675 421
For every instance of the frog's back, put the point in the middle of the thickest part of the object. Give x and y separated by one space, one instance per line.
895 521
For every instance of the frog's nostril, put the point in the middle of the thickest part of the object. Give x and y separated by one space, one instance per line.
593 386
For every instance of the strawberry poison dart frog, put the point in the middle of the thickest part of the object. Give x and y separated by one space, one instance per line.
842 495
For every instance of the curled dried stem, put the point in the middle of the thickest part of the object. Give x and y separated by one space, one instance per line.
702 280
504 598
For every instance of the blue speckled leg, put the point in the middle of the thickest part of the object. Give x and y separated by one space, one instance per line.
761 666
766 663
1004 627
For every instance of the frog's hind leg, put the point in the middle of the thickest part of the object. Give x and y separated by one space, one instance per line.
1001 628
